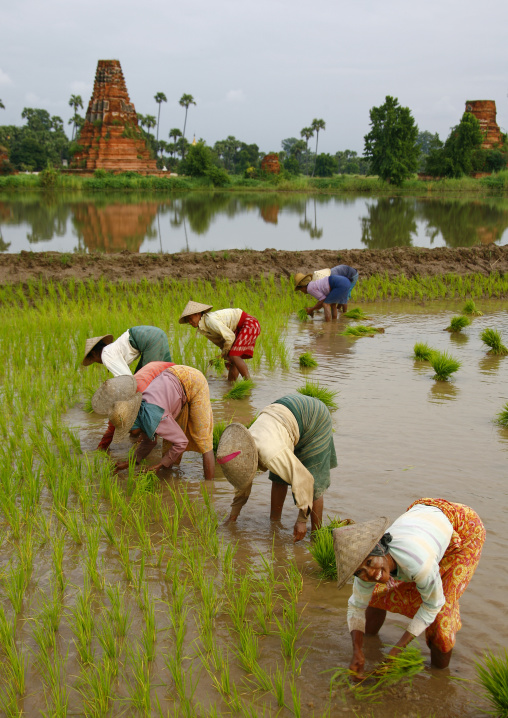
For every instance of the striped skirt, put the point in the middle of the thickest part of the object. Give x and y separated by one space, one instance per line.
247 332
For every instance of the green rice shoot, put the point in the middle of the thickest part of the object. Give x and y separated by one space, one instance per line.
471 309
492 675
307 360
458 323
321 548
302 314
240 390
356 313
502 417
360 330
492 338
218 430
218 365
444 365
422 351
327 396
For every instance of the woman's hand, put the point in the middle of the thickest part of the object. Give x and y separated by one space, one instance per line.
309 311
155 468
299 531
121 465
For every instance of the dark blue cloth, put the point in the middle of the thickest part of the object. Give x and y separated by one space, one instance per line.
339 290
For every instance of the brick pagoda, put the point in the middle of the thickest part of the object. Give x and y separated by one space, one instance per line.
110 138
485 113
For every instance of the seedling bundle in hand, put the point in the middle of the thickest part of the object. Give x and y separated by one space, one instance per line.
218 365
302 314
327 396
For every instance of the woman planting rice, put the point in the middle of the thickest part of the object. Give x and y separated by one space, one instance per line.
419 567
149 343
232 330
341 270
292 438
329 291
175 405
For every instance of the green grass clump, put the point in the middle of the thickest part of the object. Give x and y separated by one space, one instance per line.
240 390
356 313
422 351
470 308
493 677
321 548
502 417
307 360
302 314
492 338
444 365
458 323
327 396
218 430
218 365
361 331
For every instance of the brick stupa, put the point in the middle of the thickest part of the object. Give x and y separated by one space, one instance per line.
110 138
485 113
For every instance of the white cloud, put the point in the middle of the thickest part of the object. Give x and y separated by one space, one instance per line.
235 96
4 78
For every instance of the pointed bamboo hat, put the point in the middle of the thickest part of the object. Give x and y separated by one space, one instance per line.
90 343
193 308
238 455
353 543
301 279
123 415
119 388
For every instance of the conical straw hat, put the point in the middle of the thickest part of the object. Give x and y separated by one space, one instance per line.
353 543
193 308
123 415
119 388
90 343
238 455
301 279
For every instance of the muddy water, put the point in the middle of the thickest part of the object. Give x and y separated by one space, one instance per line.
399 435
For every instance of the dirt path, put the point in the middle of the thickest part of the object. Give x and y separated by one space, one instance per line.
243 264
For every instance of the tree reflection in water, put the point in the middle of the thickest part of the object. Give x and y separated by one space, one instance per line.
390 222
465 222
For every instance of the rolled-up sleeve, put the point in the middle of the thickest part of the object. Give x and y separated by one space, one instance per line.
215 326
292 471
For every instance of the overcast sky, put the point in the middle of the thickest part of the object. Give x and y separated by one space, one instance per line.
261 70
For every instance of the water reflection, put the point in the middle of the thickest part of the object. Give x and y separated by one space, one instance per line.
200 221
442 391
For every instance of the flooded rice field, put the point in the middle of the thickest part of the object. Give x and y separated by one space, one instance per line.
399 436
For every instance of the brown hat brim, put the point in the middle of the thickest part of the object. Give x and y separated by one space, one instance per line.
352 544
91 343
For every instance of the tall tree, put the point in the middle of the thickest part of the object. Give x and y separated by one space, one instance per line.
317 125
175 133
2 106
159 97
186 101
391 145
150 122
75 102
307 133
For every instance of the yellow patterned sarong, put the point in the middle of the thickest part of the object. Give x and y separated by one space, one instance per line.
456 568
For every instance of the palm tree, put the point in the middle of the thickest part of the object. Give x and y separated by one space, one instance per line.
316 126
175 133
307 133
159 97
75 102
150 122
2 106
186 101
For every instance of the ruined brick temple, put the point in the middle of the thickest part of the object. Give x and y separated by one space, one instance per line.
485 113
111 138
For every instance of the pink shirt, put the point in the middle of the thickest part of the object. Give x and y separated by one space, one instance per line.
320 288
167 392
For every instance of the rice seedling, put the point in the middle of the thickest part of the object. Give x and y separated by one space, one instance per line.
307 360
422 351
492 676
218 430
444 365
139 684
117 613
9 701
248 649
279 686
82 623
295 699
457 324
108 641
15 584
53 675
289 630
15 667
240 390
356 313
95 686
316 390
58 545
502 417
302 314
218 365
471 309
360 330
492 338
321 548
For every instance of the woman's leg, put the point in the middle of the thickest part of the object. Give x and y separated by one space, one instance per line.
374 619
316 515
237 366
334 311
278 497
439 659
328 312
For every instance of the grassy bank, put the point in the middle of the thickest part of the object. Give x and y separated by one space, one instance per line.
129 181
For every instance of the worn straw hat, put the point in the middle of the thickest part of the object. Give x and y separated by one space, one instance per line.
238 455
123 415
353 543
193 308
90 343
119 388
301 279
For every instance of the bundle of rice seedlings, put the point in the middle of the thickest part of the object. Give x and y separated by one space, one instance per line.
218 430
240 390
321 548
356 313
470 308
327 396
87 406
302 314
492 338
218 364
458 323
361 331
493 677
307 360
444 365
422 351
502 417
